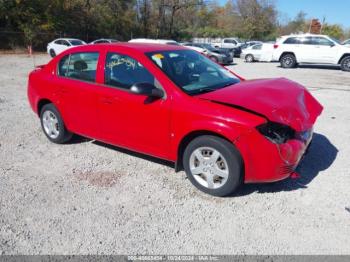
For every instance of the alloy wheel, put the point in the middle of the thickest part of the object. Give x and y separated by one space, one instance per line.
50 124
209 167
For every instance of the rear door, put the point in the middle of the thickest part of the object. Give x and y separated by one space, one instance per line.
304 50
78 91
256 51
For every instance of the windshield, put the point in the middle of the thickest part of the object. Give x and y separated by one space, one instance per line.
336 40
208 47
76 42
192 72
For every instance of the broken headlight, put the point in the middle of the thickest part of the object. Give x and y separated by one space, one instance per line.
275 132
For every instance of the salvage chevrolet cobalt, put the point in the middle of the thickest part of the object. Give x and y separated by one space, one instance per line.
174 103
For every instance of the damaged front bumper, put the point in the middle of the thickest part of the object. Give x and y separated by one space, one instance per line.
267 161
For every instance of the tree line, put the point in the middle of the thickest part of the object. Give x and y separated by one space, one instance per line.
36 22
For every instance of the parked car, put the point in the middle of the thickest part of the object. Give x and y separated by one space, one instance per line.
311 49
195 48
346 42
154 41
176 104
228 43
59 45
104 41
234 52
259 52
219 56
250 43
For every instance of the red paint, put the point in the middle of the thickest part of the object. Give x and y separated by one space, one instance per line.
280 100
158 128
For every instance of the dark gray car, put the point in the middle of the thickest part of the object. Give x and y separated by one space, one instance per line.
220 56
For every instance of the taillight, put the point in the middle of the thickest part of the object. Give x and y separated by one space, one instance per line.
275 46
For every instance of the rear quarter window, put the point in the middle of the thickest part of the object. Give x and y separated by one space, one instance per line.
81 66
292 40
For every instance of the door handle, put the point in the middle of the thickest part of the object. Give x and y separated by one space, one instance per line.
63 90
108 100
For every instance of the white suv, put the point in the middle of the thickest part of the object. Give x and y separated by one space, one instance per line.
311 49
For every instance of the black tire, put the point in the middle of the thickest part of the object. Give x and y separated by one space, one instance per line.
213 58
52 53
345 64
249 58
63 134
288 61
230 155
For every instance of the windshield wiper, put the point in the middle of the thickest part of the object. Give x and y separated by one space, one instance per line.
210 89
203 90
228 84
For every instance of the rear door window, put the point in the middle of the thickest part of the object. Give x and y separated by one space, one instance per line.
80 66
257 47
306 41
292 41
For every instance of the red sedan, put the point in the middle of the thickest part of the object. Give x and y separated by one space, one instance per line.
175 104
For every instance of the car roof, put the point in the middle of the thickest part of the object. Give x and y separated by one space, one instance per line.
68 39
104 39
138 47
304 35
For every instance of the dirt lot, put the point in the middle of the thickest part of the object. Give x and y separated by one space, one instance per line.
86 197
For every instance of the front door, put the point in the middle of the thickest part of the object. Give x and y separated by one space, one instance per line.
133 121
326 50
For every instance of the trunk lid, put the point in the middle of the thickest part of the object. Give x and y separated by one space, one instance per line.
279 100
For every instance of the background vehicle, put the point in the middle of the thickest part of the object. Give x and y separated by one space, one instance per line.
154 41
104 41
227 43
221 56
259 52
311 49
59 45
195 48
250 43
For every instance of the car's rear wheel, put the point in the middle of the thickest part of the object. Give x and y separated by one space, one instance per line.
288 61
213 165
249 58
345 64
53 126
52 53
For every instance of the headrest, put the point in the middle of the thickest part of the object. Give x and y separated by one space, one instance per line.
80 65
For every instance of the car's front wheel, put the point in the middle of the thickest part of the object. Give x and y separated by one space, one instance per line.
288 61
53 126
213 165
52 53
345 64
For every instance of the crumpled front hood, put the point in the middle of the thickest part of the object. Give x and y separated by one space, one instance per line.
279 100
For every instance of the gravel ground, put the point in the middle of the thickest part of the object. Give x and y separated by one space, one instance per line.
88 198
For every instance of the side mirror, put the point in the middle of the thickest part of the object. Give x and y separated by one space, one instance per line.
146 89
332 44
